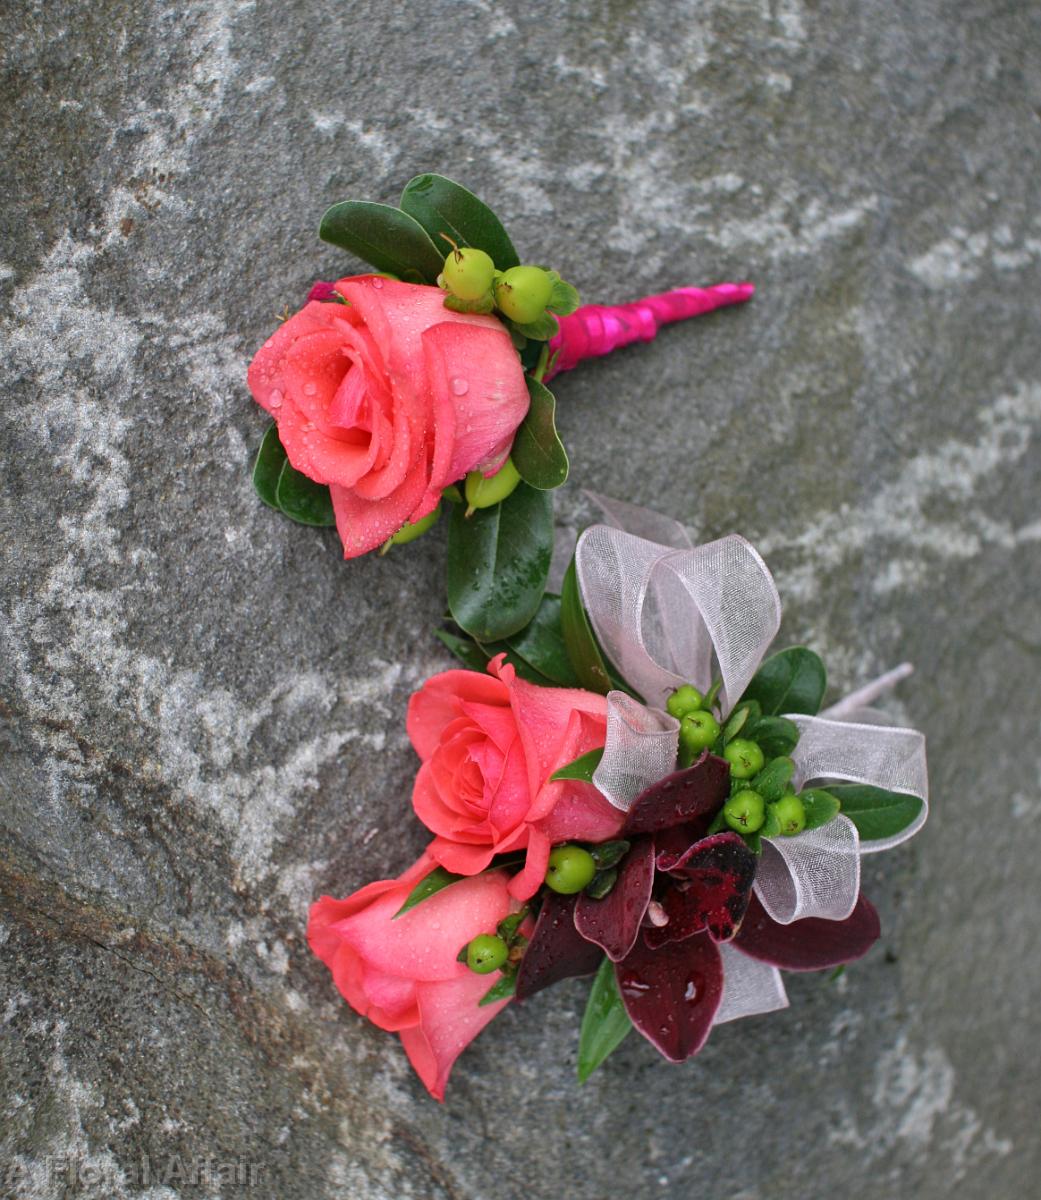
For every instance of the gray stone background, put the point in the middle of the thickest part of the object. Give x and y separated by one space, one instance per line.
202 705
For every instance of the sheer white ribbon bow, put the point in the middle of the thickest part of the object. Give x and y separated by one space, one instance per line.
663 610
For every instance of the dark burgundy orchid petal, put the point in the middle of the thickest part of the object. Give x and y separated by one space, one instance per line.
684 796
671 994
811 944
685 918
614 922
714 879
556 950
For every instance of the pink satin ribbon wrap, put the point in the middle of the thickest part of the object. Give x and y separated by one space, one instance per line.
597 329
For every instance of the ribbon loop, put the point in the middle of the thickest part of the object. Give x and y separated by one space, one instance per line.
884 756
641 749
750 987
662 613
816 874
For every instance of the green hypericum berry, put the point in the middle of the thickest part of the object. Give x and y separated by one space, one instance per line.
684 700
408 533
790 813
486 953
698 730
483 493
522 293
570 869
745 758
745 811
468 273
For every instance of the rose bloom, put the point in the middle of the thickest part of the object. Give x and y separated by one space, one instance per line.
403 975
489 744
388 399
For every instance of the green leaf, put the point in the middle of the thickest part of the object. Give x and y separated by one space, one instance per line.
442 206
777 736
821 807
303 500
604 1024
503 989
465 649
578 638
384 237
538 453
772 781
541 644
564 298
771 826
745 714
791 681
581 768
876 812
540 330
498 561
428 886
268 466
609 854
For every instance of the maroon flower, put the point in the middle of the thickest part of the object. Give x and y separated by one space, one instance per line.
680 891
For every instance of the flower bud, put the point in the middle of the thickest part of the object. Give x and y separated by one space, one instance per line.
745 758
684 700
409 532
522 293
570 869
482 492
745 811
468 273
790 813
486 953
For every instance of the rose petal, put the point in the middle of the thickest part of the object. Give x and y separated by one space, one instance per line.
812 944
672 993
696 792
557 950
614 922
527 882
439 701
423 943
477 371
450 1017
363 524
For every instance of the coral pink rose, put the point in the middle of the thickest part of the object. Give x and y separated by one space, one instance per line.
388 399
403 975
489 744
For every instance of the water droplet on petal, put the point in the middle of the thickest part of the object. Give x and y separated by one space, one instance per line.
377 282
310 389
459 386
275 399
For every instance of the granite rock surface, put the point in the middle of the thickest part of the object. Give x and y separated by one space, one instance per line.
201 705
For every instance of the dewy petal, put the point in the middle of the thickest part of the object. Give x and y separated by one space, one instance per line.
439 702
815 874
811 944
365 524
671 994
476 371
750 987
697 791
641 745
423 943
557 950
450 1017
614 921
717 874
